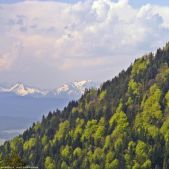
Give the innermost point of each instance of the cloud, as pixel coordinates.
(61, 39)
(7, 58)
(4, 62)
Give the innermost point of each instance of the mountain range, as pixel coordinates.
(71, 90)
(124, 124)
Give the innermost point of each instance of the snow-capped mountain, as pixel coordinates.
(71, 90)
(22, 90)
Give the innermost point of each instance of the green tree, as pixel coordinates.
(13, 160)
(94, 166)
(49, 163)
(150, 118)
(30, 144)
(139, 66)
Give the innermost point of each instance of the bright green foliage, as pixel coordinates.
(77, 152)
(130, 155)
(78, 129)
(165, 129)
(119, 123)
(29, 144)
(142, 154)
(163, 74)
(112, 165)
(65, 152)
(44, 140)
(146, 164)
(63, 129)
(37, 126)
(49, 163)
(136, 166)
(64, 165)
(74, 110)
(167, 98)
(102, 95)
(98, 154)
(134, 87)
(139, 66)
(152, 114)
(142, 151)
(110, 161)
(109, 157)
(94, 166)
(100, 130)
(90, 129)
(16, 143)
(108, 142)
(152, 105)
(129, 101)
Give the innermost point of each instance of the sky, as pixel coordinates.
(135, 3)
(47, 43)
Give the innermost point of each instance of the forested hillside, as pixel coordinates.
(123, 125)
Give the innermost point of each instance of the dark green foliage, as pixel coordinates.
(122, 125)
(13, 161)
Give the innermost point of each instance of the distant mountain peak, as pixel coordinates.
(68, 90)
(74, 89)
(22, 90)
(17, 86)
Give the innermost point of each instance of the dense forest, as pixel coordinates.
(122, 125)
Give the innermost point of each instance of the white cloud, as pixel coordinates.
(4, 62)
(60, 38)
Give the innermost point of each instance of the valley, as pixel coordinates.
(22, 105)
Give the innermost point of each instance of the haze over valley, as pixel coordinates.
(21, 105)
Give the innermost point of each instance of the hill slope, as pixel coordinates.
(122, 125)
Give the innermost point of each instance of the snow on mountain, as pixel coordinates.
(69, 90)
(74, 89)
(85, 84)
(22, 90)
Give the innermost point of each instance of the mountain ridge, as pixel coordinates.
(122, 125)
(71, 89)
